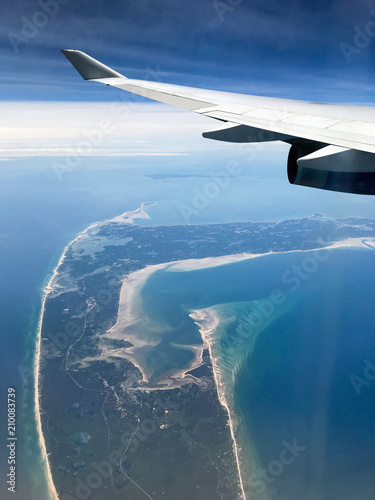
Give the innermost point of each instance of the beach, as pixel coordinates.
(143, 340)
(208, 321)
(52, 288)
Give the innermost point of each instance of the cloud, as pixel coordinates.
(252, 47)
(100, 129)
(104, 129)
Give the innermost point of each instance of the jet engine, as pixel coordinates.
(330, 167)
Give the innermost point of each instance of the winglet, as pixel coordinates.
(88, 67)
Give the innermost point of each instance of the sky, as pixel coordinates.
(54, 185)
(290, 49)
(312, 50)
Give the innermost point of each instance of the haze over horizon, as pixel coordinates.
(75, 154)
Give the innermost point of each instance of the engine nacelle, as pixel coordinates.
(331, 167)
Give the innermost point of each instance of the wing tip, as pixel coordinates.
(88, 67)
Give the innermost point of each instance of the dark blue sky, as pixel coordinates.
(291, 48)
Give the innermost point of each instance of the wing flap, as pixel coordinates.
(348, 139)
(232, 132)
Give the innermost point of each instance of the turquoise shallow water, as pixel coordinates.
(169, 296)
(306, 382)
(289, 371)
(39, 216)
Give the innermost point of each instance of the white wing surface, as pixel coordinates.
(307, 126)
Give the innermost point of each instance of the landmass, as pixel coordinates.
(110, 427)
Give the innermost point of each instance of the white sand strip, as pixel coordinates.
(127, 218)
(128, 312)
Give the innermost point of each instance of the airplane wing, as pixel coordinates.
(332, 145)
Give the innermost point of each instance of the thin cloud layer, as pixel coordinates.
(267, 48)
(100, 129)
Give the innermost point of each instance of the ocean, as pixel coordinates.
(293, 375)
(39, 216)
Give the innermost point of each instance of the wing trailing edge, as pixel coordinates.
(309, 127)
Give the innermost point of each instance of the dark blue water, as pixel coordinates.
(299, 378)
(306, 380)
(39, 216)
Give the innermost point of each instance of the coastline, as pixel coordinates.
(207, 325)
(127, 217)
(37, 382)
(179, 377)
(199, 317)
(129, 310)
